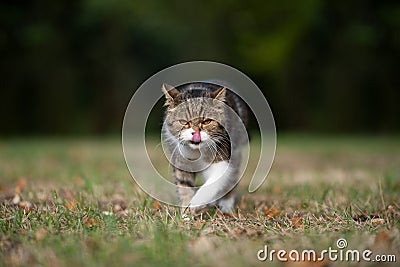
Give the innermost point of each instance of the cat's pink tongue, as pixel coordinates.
(196, 137)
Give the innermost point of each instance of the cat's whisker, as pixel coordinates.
(222, 154)
(157, 146)
(218, 152)
(176, 149)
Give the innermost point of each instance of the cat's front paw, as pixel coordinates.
(194, 213)
(188, 213)
(200, 213)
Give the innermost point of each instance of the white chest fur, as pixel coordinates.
(215, 172)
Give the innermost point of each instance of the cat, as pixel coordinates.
(202, 130)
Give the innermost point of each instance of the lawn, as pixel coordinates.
(72, 202)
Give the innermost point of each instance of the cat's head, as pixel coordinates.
(195, 114)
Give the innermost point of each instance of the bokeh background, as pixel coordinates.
(71, 67)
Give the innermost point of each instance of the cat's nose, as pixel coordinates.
(196, 137)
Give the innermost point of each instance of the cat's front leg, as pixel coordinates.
(185, 182)
(227, 204)
(217, 181)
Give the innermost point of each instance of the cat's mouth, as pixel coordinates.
(194, 143)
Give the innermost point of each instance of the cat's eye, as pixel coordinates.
(183, 122)
(207, 122)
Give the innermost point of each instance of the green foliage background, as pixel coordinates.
(70, 67)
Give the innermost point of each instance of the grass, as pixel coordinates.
(72, 202)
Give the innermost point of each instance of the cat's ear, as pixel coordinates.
(219, 94)
(170, 93)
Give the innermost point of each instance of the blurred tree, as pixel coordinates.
(71, 66)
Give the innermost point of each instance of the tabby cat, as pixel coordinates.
(202, 130)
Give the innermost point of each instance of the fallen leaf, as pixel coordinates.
(198, 224)
(40, 234)
(391, 209)
(383, 239)
(224, 215)
(22, 185)
(25, 205)
(79, 181)
(239, 231)
(67, 194)
(271, 212)
(243, 204)
(4, 190)
(117, 207)
(21, 231)
(296, 222)
(71, 204)
(156, 205)
(245, 232)
(16, 199)
(277, 189)
(89, 222)
(377, 221)
(124, 213)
